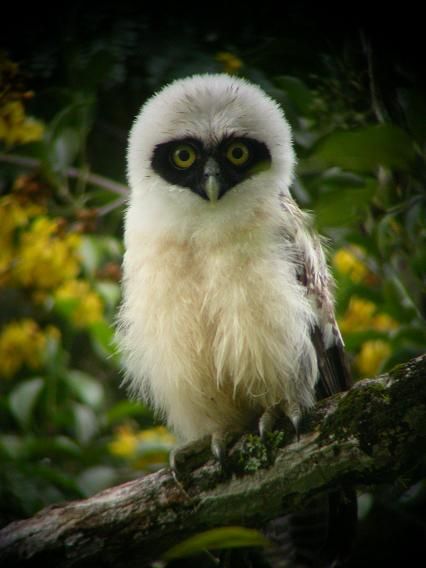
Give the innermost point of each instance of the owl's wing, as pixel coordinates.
(334, 373)
(322, 533)
(313, 274)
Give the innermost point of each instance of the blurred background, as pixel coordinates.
(352, 85)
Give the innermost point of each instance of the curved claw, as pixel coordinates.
(218, 447)
(267, 422)
(184, 459)
(270, 417)
(188, 456)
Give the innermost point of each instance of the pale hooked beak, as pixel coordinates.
(212, 187)
(211, 181)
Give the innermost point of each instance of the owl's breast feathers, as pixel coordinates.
(214, 334)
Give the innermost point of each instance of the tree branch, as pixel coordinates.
(71, 172)
(373, 434)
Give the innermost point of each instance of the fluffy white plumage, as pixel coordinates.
(220, 299)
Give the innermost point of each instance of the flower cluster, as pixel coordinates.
(86, 306)
(15, 126)
(22, 344)
(371, 357)
(39, 254)
(362, 315)
(350, 261)
(47, 257)
(13, 216)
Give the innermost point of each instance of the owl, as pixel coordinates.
(227, 319)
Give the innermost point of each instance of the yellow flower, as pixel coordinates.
(125, 442)
(159, 434)
(384, 322)
(358, 315)
(373, 354)
(347, 261)
(87, 305)
(15, 127)
(361, 315)
(231, 63)
(22, 343)
(46, 258)
(13, 216)
(146, 449)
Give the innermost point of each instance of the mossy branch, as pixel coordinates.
(373, 434)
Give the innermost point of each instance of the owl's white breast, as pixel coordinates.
(216, 330)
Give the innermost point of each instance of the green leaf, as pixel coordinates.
(31, 486)
(88, 389)
(54, 355)
(39, 446)
(90, 253)
(109, 292)
(23, 399)
(85, 422)
(364, 149)
(11, 445)
(354, 340)
(226, 537)
(385, 238)
(65, 307)
(64, 149)
(102, 335)
(127, 409)
(95, 250)
(343, 205)
(298, 93)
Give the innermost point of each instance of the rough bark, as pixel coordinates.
(373, 434)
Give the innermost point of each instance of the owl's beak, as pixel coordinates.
(212, 187)
(211, 183)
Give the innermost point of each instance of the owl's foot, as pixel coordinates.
(188, 457)
(274, 414)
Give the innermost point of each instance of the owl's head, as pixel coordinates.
(209, 143)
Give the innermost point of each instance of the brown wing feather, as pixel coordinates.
(333, 367)
(334, 373)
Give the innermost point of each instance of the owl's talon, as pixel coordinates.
(218, 448)
(272, 415)
(267, 422)
(183, 459)
(296, 423)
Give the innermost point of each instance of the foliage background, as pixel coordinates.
(70, 85)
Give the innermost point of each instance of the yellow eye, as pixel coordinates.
(183, 156)
(238, 153)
